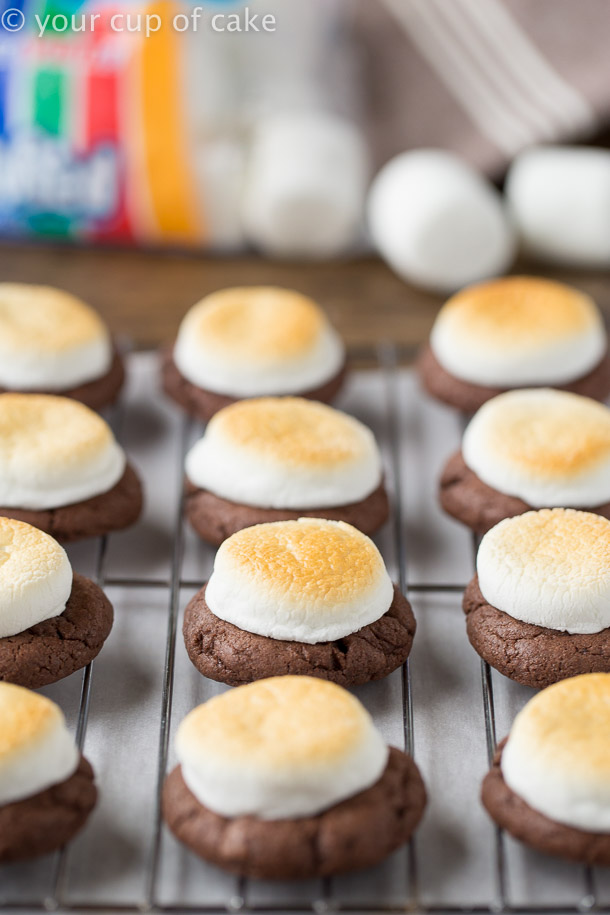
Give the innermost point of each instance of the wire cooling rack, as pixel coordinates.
(445, 706)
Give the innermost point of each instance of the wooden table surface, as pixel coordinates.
(143, 294)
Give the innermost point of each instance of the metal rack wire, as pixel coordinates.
(324, 900)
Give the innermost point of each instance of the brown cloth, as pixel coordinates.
(484, 78)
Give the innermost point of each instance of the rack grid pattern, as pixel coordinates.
(324, 899)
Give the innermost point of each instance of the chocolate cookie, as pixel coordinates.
(480, 507)
(44, 822)
(223, 652)
(535, 829)
(203, 404)
(99, 393)
(114, 510)
(55, 648)
(356, 833)
(469, 397)
(215, 518)
(532, 655)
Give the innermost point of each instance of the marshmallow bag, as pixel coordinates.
(177, 135)
(90, 148)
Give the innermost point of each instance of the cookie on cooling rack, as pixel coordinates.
(47, 789)
(299, 597)
(535, 448)
(539, 608)
(515, 332)
(252, 342)
(52, 622)
(279, 459)
(289, 778)
(550, 782)
(62, 470)
(51, 342)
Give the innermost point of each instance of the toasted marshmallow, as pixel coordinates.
(550, 568)
(35, 577)
(49, 339)
(285, 747)
(254, 341)
(518, 331)
(544, 446)
(54, 451)
(307, 581)
(285, 452)
(557, 757)
(36, 748)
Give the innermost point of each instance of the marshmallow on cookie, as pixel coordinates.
(36, 748)
(519, 331)
(284, 747)
(557, 756)
(49, 339)
(309, 580)
(253, 341)
(286, 453)
(35, 577)
(543, 446)
(54, 452)
(549, 568)
(257, 341)
(281, 764)
(515, 332)
(308, 596)
(47, 789)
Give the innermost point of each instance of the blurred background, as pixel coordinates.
(376, 154)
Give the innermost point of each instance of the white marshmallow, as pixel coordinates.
(257, 341)
(547, 447)
(286, 747)
(306, 184)
(219, 166)
(559, 198)
(557, 757)
(53, 452)
(35, 577)
(549, 568)
(49, 339)
(308, 580)
(36, 748)
(285, 452)
(437, 222)
(519, 331)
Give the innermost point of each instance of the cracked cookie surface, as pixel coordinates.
(468, 397)
(45, 821)
(203, 404)
(96, 394)
(55, 648)
(464, 496)
(356, 833)
(215, 518)
(533, 655)
(512, 813)
(223, 652)
(114, 510)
